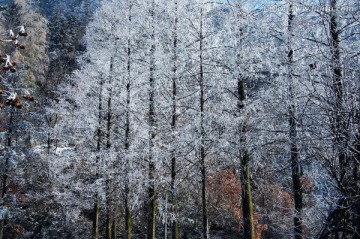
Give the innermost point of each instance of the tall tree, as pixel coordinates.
(294, 151)
(344, 166)
(175, 79)
(151, 200)
(202, 135)
(243, 154)
(128, 221)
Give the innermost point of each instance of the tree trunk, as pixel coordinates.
(174, 224)
(96, 208)
(152, 168)
(127, 146)
(339, 127)
(246, 197)
(152, 202)
(108, 226)
(294, 152)
(96, 212)
(338, 119)
(108, 190)
(128, 226)
(202, 131)
(296, 173)
(343, 222)
(114, 227)
(109, 212)
(248, 224)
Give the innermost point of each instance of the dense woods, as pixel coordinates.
(180, 119)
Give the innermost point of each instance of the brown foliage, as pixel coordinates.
(306, 185)
(17, 231)
(13, 188)
(225, 194)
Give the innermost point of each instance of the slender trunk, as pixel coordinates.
(152, 168)
(248, 223)
(152, 202)
(202, 131)
(48, 142)
(51, 121)
(244, 158)
(114, 227)
(174, 224)
(296, 173)
(96, 208)
(108, 146)
(109, 212)
(96, 211)
(165, 217)
(127, 146)
(338, 122)
(339, 126)
(128, 226)
(203, 193)
(109, 222)
(108, 121)
(294, 152)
